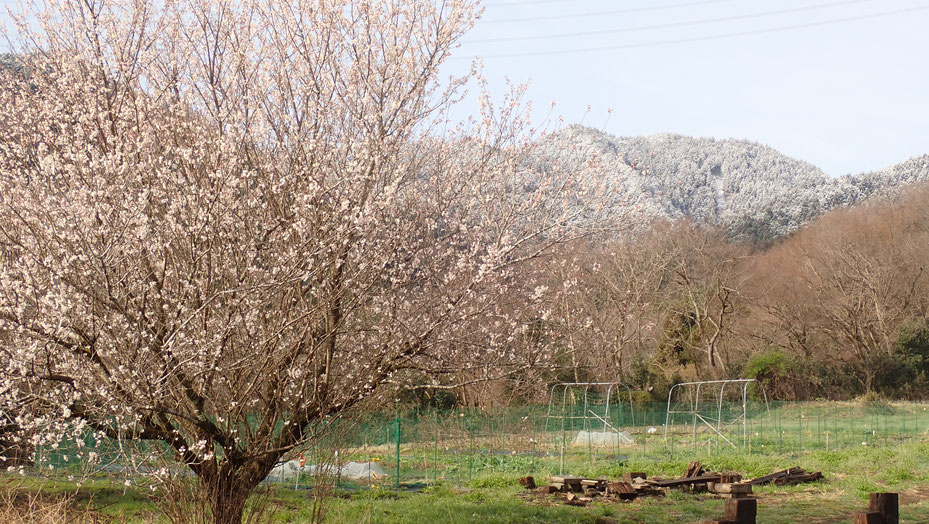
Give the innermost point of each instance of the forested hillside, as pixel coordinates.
(838, 309)
(751, 190)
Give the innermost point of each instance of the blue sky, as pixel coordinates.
(848, 91)
(841, 84)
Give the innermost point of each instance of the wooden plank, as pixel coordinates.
(888, 505)
(567, 483)
(683, 481)
(648, 490)
(799, 478)
(742, 510)
(776, 475)
(869, 517)
(566, 479)
(729, 489)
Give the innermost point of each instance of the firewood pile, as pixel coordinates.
(580, 491)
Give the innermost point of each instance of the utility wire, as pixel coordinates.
(671, 24)
(707, 38)
(526, 2)
(601, 13)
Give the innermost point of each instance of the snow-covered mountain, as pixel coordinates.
(751, 189)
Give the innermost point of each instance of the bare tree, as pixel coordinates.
(842, 290)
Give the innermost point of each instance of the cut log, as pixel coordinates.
(528, 482)
(547, 490)
(869, 517)
(887, 504)
(730, 478)
(742, 510)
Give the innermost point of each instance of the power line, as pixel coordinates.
(671, 24)
(528, 2)
(602, 13)
(710, 37)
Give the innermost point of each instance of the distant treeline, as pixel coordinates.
(836, 310)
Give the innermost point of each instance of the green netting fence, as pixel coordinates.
(416, 448)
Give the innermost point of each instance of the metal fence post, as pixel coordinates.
(435, 460)
(397, 478)
(470, 453)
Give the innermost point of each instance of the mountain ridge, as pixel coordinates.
(752, 190)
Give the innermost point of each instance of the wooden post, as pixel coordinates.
(887, 504)
(743, 511)
(869, 517)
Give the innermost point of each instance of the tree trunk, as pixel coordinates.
(227, 499)
(228, 487)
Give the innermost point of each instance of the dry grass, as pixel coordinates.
(19, 506)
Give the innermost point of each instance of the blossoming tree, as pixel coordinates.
(225, 223)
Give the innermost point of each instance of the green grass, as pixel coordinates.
(472, 476)
(851, 474)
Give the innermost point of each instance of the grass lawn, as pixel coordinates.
(850, 475)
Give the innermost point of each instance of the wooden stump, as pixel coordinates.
(869, 517)
(743, 511)
(887, 504)
(528, 482)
